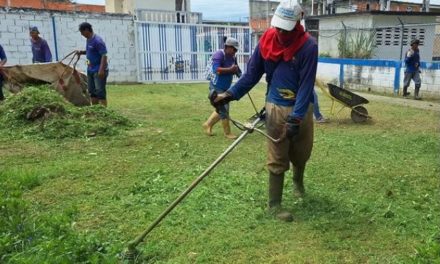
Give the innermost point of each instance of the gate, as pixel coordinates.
(179, 52)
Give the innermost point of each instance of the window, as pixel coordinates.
(394, 36)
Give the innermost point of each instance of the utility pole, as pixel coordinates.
(267, 14)
(425, 6)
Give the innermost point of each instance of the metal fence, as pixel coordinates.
(179, 52)
(390, 42)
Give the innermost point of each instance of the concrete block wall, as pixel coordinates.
(328, 72)
(116, 30)
(430, 83)
(378, 79)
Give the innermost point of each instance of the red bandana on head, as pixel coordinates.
(271, 43)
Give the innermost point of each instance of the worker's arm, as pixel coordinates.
(102, 66)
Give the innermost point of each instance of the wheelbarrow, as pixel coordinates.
(346, 98)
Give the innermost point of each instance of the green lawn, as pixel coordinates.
(372, 189)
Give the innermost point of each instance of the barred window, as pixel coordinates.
(393, 36)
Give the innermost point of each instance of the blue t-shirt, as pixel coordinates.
(2, 53)
(95, 49)
(40, 51)
(221, 82)
(289, 83)
(412, 61)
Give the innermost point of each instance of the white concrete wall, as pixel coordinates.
(116, 30)
(331, 29)
(378, 79)
(129, 6)
(393, 51)
(167, 5)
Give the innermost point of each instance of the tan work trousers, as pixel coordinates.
(297, 151)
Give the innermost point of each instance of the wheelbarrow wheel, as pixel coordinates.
(359, 114)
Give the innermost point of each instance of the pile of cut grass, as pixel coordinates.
(41, 112)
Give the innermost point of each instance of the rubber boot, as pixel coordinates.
(405, 92)
(94, 100)
(298, 181)
(227, 129)
(416, 93)
(212, 120)
(275, 197)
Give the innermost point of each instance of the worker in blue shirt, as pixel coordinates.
(3, 60)
(289, 57)
(97, 66)
(412, 71)
(224, 67)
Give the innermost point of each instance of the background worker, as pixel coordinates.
(289, 57)
(319, 118)
(40, 49)
(3, 60)
(224, 66)
(412, 71)
(97, 66)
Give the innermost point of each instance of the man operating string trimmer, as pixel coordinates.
(289, 56)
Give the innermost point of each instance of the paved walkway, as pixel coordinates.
(421, 104)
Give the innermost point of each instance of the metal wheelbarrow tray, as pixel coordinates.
(349, 99)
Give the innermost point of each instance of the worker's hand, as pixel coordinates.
(292, 127)
(234, 68)
(238, 73)
(79, 53)
(101, 74)
(218, 100)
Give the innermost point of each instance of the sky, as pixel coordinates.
(226, 10)
(229, 10)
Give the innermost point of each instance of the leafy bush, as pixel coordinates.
(359, 45)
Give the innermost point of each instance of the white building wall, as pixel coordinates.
(393, 51)
(116, 30)
(331, 28)
(129, 6)
(167, 5)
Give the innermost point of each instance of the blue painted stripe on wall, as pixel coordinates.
(360, 62)
(377, 63)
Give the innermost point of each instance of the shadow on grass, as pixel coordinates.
(330, 215)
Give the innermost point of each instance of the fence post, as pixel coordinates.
(137, 49)
(341, 75)
(401, 37)
(397, 68)
(345, 40)
(55, 37)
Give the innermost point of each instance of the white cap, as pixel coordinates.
(232, 42)
(287, 14)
